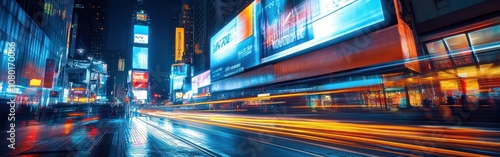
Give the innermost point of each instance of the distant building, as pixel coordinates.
(91, 27)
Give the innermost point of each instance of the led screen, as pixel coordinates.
(233, 48)
(140, 94)
(140, 80)
(289, 27)
(141, 16)
(200, 80)
(140, 34)
(140, 58)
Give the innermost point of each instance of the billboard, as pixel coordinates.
(179, 43)
(140, 16)
(289, 27)
(200, 80)
(140, 58)
(35, 82)
(179, 73)
(234, 48)
(140, 94)
(49, 73)
(141, 34)
(139, 79)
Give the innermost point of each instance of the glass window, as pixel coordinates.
(458, 44)
(485, 39)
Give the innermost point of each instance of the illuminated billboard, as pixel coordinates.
(179, 43)
(141, 34)
(49, 73)
(200, 80)
(140, 16)
(139, 80)
(234, 48)
(140, 58)
(289, 27)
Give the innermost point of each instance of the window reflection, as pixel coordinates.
(458, 45)
(485, 39)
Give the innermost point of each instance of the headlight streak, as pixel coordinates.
(365, 136)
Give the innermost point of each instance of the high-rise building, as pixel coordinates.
(139, 73)
(34, 37)
(92, 17)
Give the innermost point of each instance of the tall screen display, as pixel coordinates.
(141, 34)
(233, 49)
(140, 58)
(289, 26)
(140, 80)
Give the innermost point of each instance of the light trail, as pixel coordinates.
(377, 137)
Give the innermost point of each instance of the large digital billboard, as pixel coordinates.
(234, 48)
(141, 34)
(140, 79)
(49, 73)
(289, 27)
(200, 80)
(179, 43)
(140, 58)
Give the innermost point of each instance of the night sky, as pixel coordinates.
(161, 32)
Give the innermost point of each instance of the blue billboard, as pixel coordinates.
(234, 48)
(289, 26)
(268, 30)
(140, 58)
(141, 34)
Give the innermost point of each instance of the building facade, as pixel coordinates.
(35, 38)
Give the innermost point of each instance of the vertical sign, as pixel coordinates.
(121, 64)
(179, 43)
(49, 73)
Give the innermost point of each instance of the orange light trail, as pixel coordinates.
(448, 141)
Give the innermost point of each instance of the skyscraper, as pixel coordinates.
(92, 17)
(38, 35)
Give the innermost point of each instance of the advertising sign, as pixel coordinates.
(49, 73)
(234, 49)
(200, 80)
(141, 34)
(35, 82)
(121, 64)
(179, 43)
(179, 73)
(141, 16)
(140, 58)
(289, 27)
(140, 79)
